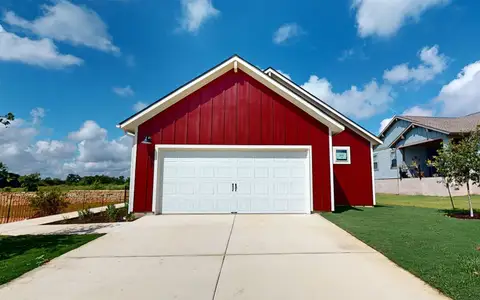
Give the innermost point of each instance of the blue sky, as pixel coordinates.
(71, 70)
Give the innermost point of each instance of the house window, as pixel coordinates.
(393, 159)
(341, 155)
(375, 162)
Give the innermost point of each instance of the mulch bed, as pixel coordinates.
(95, 218)
(464, 215)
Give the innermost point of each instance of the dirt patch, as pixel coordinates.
(464, 215)
(100, 217)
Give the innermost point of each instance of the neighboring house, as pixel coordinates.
(239, 139)
(412, 140)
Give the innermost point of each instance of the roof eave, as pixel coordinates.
(370, 136)
(234, 62)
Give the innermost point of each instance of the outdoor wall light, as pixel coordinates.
(147, 140)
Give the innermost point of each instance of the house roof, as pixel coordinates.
(447, 125)
(451, 125)
(236, 63)
(323, 106)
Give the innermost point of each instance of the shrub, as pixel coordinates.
(130, 217)
(30, 182)
(85, 214)
(7, 189)
(112, 212)
(49, 202)
(97, 185)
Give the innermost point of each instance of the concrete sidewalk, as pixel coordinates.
(222, 257)
(36, 225)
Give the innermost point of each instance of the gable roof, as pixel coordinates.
(447, 125)
(323, 106)
(235, 62)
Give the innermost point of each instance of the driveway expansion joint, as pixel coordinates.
(223, 259)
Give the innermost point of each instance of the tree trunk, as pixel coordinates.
(469, 200)
(450, 195)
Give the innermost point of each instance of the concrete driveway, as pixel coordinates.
(222, 257)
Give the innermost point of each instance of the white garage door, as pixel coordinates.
(233, 181)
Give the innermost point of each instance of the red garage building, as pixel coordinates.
(238, 139)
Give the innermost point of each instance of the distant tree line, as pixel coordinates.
(31, 182)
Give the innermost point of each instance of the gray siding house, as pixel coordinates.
(409, 141)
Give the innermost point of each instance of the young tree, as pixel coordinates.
(5, 120)
(72, 179)
(443, 163)
(3, 175)
(30, 182)
(466, 163)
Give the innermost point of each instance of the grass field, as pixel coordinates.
(441, 251)
(427, 201)
(20, 254)
(66, 188)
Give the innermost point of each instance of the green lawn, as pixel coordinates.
(440, 250)
(20, 254)
(427, 201)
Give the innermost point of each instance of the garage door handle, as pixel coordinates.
(235, 187)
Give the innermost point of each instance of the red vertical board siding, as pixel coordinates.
(267, 120)
(319, 139)
(218, 116)
(206, 117)
(141, 179)
(181, 122)
(353, 182)
(193, 121)
(254, 98)
(234, 109)
(290, 125)
(243, 114)
(279, 122)
(230, 110)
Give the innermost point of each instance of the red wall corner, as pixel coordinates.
(353, 182)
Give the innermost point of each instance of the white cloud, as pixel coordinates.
(412, 111)
(90, 130)
(88, 151)
(384, 124)
(385, 17)
(286, 32)
(359, 103)
(37, 115)
(41, 53)
(67, 22)
(195, 13)
(433, 63)
(139, 106)
(418, 111)
(284, 74)
(124, 91)
(346, 54)
(461, 96)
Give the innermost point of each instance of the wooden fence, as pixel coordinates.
(16, 206)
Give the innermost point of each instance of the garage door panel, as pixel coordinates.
(201, 182)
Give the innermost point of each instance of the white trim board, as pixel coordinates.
(373, 176)
(232, 63)
(156, 195)
(133, 164)
(332, 187)
(351, 124)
